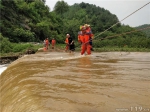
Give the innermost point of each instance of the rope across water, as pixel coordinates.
(120, 22)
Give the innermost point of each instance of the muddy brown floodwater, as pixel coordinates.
(62, 82)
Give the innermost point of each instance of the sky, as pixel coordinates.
(121, 8)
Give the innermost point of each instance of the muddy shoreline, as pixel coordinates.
(10, 58)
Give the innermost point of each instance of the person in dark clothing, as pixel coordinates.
(71, 44)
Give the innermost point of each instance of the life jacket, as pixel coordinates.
(81, 38)
(53, 41)
(46, 41)
(66, 41)
(86, 38)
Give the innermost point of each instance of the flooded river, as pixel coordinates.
(63, 82)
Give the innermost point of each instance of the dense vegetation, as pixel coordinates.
(8, 48)
(28, 21)
(33, 21)
(146, 31)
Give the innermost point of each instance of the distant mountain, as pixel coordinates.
(146, 31)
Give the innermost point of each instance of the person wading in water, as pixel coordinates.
(70, 43)
(53, 42)
(84, 39)
(66, 42)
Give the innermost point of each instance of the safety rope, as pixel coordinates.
(124, 33)
(122, 20)
(118, 23)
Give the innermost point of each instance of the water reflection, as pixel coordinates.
(84, 66)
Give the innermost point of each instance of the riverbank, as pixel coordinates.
(10, 57)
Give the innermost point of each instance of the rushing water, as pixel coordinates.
(3, 68)
(62, 82)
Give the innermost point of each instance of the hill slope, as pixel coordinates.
(147, 31)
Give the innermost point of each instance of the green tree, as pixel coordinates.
(61, 7)
(5, 45)
(146, 30)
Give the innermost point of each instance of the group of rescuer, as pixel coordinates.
(47, 43)
(85, 37)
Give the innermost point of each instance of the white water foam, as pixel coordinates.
(2, 68)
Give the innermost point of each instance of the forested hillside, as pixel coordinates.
(33, 21)
(84, 13)
(146, 31)
(28, 20)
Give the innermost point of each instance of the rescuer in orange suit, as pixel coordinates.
(53, 42)
(80, 37)
(84, 38)
(47, 43)
(89, 31)
(67, 43)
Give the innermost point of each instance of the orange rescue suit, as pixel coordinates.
(67, 44)
(53, 43)
(85, 43)
(47, 43)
